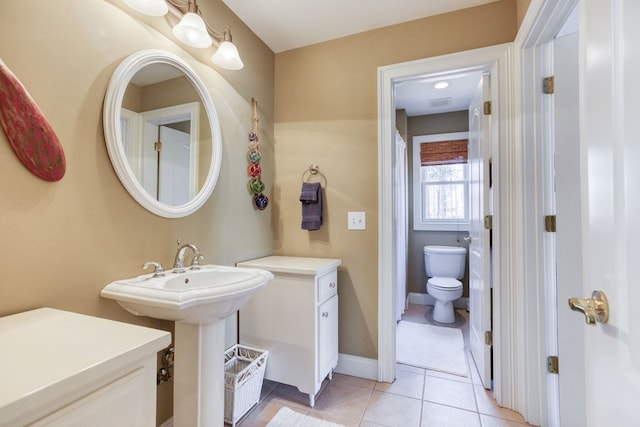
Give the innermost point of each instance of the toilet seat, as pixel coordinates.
(445, 283)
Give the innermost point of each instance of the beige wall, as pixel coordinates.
(326, 113)
(62, 242)
(522, 7)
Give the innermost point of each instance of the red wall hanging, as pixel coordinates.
(28, 131)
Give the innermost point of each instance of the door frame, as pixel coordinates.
(509, 360)
(533, 62)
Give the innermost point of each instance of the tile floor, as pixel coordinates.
(418, 397)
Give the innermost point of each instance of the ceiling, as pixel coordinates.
(419, 96)
(289, 24)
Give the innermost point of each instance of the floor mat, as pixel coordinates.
(431, 347)
(288, 418)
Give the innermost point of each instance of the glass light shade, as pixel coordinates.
(227, 56)
(149, 7)
(192, 30)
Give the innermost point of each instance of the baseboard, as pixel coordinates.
(357, 366)
(168, 423)
(426, 299)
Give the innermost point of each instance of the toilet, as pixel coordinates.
(444, 266)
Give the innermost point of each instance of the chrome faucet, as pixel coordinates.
(178, 265)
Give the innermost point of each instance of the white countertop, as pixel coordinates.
(46, 352)
(295, 265)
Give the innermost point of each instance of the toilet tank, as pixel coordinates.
(445, 261)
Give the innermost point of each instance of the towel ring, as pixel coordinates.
(312, 171)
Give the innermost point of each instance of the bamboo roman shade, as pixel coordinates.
(443, 152)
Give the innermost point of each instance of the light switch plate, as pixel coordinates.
(356, 221)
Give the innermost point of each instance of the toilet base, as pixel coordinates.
(443, 312)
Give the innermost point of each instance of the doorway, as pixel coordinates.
(553, 163)
(162, 147)
(606, 350)
(498, 59)
(442, 118)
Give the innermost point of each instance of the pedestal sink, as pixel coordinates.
(198, 301)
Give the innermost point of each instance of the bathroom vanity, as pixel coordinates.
(67, 369)
(295, 318)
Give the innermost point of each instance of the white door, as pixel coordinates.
(174, 174)
(569, 229)
(479, 250)
(610, 100)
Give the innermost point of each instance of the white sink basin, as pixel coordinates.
(196, 296)
(197, 301)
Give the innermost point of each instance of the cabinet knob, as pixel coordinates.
(325, 314)
(332, 284)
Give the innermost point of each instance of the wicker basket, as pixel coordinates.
(243, 374)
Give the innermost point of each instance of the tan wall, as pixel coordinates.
(62, 242)
(522, 6)
(326, 113)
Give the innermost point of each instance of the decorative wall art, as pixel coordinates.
(256, 186)
(28, 131)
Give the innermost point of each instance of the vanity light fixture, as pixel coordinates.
(192, 30)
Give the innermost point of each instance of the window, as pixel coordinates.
(440, 182)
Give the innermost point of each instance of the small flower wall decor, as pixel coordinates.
(254, 170)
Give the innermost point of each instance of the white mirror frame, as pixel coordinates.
(113, 136)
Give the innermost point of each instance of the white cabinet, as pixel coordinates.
(295, 317)
(327, 336)
(67, 369)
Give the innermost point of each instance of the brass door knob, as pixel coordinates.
(595, 309)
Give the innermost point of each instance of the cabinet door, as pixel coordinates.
(327, 336)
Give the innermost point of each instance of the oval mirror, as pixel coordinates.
(162, 133)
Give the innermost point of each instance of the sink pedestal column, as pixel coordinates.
(198, 393)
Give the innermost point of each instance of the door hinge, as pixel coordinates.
(487, 108)
(547, 85)
(552, 364)
(488, 222)
(550, 223)
(488, 337)
(158, 146)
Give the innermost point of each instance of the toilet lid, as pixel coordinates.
(445, 282)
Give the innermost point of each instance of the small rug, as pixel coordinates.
(431, 347)
(288, 418)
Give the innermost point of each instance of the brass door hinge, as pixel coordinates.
(488, 337)
(487, 108)
(158, 146)
(548, 85)
(488, 222)
(552, 364)
(550, 223)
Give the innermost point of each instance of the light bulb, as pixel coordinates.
(192, 30)
(227, 56)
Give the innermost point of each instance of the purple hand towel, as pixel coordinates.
(311, 198)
